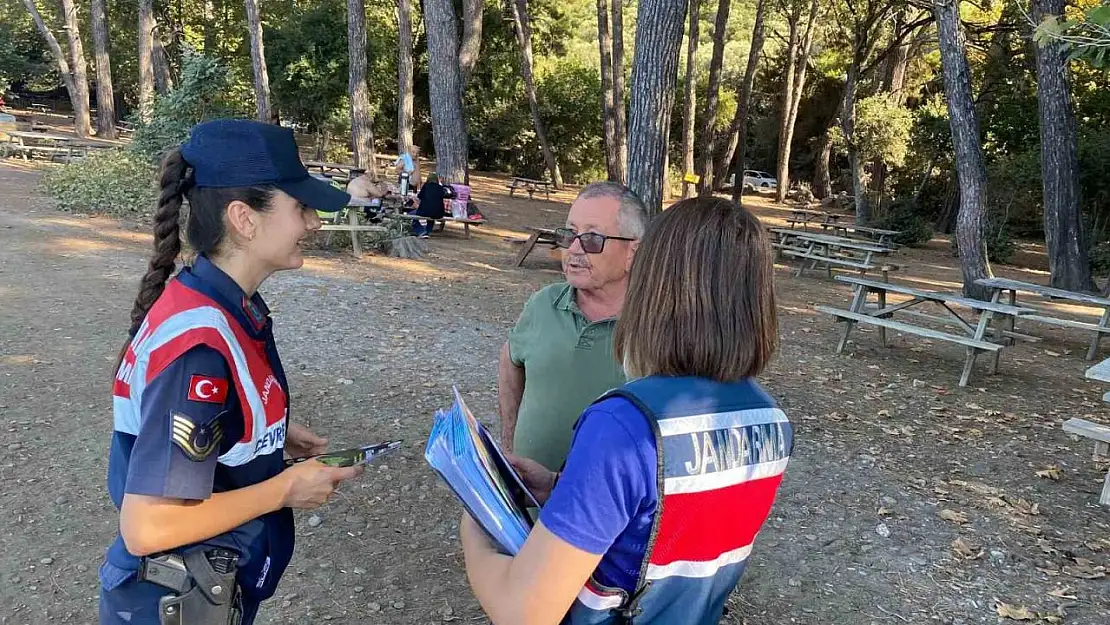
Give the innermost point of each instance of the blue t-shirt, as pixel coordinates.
(607, 494)
(406, 160)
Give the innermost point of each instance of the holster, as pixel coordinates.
(205, 594)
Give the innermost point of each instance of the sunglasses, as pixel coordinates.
(592, 242)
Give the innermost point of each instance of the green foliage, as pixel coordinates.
(882, 130)
(24, 58)
(1088, 37)
(116, 183)
(1099, 256)
(914, 229)
(200, 95)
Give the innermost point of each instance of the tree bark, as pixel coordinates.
(444, 90)
(800, 44)
(210, 48)
(968, 150)
(613, 163)
(689, 111)
(56, 51)
(79, 65)
(654, 69)
(738, 141)
(712, 98)
(258, 62)
(471, 46)
(848, 127)
(619, 105)
(146, 59)
(163, 78)
(362, 118)
(1063, 226)
(523, 27)
(822, 185)
(105, 93)
(404, 76)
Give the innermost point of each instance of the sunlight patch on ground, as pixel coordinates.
(18, 359)
(72, 244)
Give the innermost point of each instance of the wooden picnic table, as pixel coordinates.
(539, 235)
(335, 170)
(530, 185)
(805, 216)
(1000, 285)
(830, 251)
(26, 143)
(881, 236)
(973, 338)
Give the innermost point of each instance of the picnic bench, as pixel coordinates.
(1100, 434)
(1000, 285)
(539, 235)
(346, 173)
(881, 236)
(27, 144)
(805, 216)
(531, 185)
(831, 251)
(352, 227)
(973, 339)
(441, 223)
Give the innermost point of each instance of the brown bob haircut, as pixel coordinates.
(701, 298)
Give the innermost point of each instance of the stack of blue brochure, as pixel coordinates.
(463, 453)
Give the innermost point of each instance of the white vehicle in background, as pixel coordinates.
(755, 180)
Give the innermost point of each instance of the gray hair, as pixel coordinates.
(632, 217)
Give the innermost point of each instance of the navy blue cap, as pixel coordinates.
(243, 153)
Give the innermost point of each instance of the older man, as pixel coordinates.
(559, 356)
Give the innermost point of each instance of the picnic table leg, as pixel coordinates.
(969, 363)
(1002, 326)
(526, 249)
(352, 218)
(858, 300)
(1098, 335)
(882, 304)
(466, 229)
(531, 192)
(511, 190)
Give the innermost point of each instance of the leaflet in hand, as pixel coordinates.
(463, 453)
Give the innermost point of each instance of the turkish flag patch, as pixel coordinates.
(207, 389)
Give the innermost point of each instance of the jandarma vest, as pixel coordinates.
(722, 450)
(185, 317)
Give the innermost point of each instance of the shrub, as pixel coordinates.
(1100, 258)
(914, 230)
(113, 183)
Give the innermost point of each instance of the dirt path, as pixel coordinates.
(886, 442)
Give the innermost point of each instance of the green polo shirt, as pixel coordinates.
(568, 362)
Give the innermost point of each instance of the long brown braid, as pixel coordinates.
(176, 179)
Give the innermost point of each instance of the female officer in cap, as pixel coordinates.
(201, 402)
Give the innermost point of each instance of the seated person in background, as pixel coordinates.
(670, 477)
(367, 186)
(407, 166)
(429, 203)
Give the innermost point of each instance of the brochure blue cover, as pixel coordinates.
(465, 456)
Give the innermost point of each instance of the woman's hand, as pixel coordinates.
(309, 484)
(301, 442)
(538, 478)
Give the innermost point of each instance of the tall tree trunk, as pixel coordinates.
(81, 123)
(613, 163)
(59, 56)
(848, 127)
(404, 76)
(146, 59)
(105, 93)
(444, 90)
(523, 28)
(620, 117)
(210, 29)
(689, 111)
(822, 185)
(738, 142)
(654, 70)
(258, 62)
(163, 78)
(968, 150)
(362, 119)
(801, 42)
(471, 46)
(893, 84)
(712, 98)
(1063, 225)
